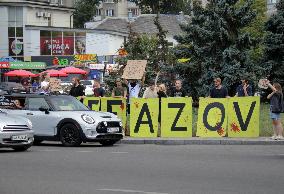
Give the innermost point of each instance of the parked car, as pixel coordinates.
(15, 132)
(66, 119)
(12, 87)
(88, 84)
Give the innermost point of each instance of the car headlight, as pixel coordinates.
(88, 119)
(30, 124)
(120, 124)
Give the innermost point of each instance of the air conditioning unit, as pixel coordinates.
(47, 15)
(39, 14)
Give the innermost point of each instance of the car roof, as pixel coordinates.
(35, 95)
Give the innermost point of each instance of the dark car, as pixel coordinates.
(12, 87)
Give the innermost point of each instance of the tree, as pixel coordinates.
(274, 44)
(85, 10)
(216, 45)
(163, 6)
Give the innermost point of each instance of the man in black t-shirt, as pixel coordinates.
(77, 89)
(177, 91)
(218, 91)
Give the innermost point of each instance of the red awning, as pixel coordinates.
(20, 73)
(73, 70)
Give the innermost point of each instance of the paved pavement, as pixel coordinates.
(203, 141)
(143, 169)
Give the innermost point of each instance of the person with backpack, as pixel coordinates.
(276, 107)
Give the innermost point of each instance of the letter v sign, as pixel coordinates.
(244, 125)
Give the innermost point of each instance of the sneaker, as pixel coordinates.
(279, 137)
(273, 137)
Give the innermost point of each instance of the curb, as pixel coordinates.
(202, 141)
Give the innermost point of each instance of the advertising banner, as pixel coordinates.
(116, 106)
(144, 117)
(93, 103)
(176, 117)
(27, 65)
(243, 119)
(212, 117)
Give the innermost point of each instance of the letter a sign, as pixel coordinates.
(144, 117)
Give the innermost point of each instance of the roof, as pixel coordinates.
(144, 24)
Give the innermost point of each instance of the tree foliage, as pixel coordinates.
(217, 45)
(85, 10)
(274, 44)
(164, 6)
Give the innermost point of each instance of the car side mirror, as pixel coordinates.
(44, 109)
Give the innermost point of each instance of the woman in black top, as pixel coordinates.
(276, 102)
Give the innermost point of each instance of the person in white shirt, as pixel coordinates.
(44, 85)
(151, 91)
(134, 87)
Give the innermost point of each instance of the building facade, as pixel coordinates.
(15, 15)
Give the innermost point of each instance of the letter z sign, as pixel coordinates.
(176, 117)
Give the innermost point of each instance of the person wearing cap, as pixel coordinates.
(244, 89)
(151, 91)
(119, 91)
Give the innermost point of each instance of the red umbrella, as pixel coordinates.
(55, 73)
(73, 70)
(20, 73)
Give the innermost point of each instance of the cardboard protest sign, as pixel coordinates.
(243, 117)
(212, 117)
(93, 103)
(55, 85)
(134, 69)
(116, 106)
(144, 117)
(176, 117)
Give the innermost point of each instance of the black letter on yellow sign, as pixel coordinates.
(110, 103)
(91, 102)
(180, 106)
(205, 114)
(244, 125)
(144, 109)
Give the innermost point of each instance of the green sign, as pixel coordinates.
(27, 65)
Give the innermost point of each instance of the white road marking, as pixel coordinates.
(119, 152)
(129, 191)
(85, 151)
(49, 150)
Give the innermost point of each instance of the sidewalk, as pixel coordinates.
(203, 141)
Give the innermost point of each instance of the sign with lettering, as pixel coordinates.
(243, 119)
(134, 69)
(4, 65)
(176, 117)
(93, 103)
(27, 65)
(144, 117)
(212, 117)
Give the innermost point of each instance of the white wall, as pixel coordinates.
(103, 44)
(59, 18)
(31, 42)
(4, 43)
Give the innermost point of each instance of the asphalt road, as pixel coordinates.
(143, 169)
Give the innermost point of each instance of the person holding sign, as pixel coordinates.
(151, 91)
(218, 91)
(244, 89)
(276, 107)
(119, 91)
(77, 89)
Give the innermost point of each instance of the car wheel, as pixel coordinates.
(108, 142)
(70, 135)
(22, 148)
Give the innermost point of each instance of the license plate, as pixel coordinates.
(19, 137)
(113, 130)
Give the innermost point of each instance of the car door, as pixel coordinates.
(44, 122)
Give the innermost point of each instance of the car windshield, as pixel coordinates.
(86, 82)
(67, 103)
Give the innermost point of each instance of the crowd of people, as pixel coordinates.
(131, 89)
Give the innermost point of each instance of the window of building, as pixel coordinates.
(98, 12)
(109, 12)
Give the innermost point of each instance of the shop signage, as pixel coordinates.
(27, 65)
(4, 65)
